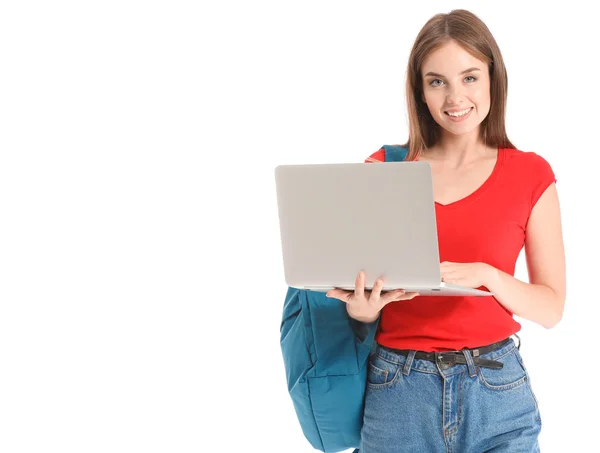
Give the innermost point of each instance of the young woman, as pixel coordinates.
(447, 375)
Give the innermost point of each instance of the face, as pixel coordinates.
(456, 89)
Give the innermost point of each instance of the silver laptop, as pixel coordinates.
(338, 219)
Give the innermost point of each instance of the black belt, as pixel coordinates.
(451, 358)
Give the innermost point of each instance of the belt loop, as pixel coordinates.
(519, 345)
(408, 363)
(470, 363)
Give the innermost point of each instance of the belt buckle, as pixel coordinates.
(446, 360)
(449, 359)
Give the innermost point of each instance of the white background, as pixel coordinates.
(141, 281)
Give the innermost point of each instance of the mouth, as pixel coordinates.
(460, 115)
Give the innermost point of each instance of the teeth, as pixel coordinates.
(464, 112)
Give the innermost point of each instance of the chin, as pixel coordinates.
(460, 129)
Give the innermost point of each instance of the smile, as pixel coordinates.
(459, 116)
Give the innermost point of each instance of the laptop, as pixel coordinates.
(338, 219)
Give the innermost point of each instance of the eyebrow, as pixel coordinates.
(435, 74)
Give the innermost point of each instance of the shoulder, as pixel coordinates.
(389, 153)
(377, 156)
(529, 172)
(526, 161)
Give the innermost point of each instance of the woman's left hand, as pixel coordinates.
(470, 275)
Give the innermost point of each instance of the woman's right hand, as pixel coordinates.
(364, 305)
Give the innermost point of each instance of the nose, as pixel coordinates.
(454, 95)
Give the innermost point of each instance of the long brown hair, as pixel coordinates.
(473, 35)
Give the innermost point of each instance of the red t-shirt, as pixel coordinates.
(486, 226)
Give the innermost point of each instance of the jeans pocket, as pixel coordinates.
(510, 376)
(381, 373)
(528, 379)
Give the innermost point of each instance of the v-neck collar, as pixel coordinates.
(482, 188)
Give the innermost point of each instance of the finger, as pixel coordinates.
(404, 296)
(450, 273)
(390, 296)
(359, 285)
(377, 287)
(339, 294)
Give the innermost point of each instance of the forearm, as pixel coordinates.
(537, 303)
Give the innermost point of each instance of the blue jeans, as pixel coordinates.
(415, 406)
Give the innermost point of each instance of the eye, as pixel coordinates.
(470, 77)
(432, 83)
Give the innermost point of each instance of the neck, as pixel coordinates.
(457, 150)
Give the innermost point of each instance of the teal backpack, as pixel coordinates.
(325, 354)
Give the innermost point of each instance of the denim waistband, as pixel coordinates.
(430, 367)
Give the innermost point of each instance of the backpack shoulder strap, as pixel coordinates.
(395, 153)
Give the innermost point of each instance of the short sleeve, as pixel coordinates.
(542, 176)
(377, 156)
